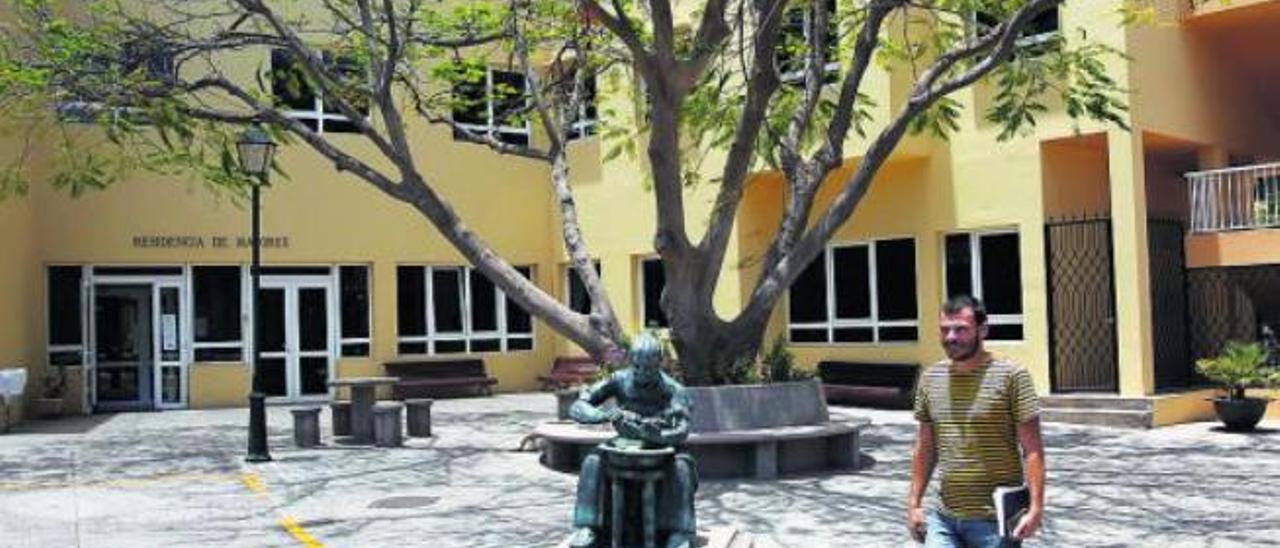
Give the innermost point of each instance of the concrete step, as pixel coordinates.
(1117, 418)
(1083, 401)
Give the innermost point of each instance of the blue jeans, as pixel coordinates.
(943, 531)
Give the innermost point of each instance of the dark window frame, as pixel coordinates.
(647, 321)
(854, 330)
(467, 340)
(322, 117)
(492, 126)
(355, 346)
(975, 278)
(225, 350)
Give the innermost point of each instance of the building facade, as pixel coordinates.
(1110, 259)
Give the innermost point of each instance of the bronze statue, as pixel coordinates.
(652, 411)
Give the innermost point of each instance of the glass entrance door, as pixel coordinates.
(122, 342)
(294, 334)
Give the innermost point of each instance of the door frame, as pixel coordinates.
(154, 283)
(291, 283)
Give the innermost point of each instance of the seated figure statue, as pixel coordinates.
(651, 408)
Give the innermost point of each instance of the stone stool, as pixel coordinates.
(386, 423)
(306, 426)
(419, 416)
(341, 417)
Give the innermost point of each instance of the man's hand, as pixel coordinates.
(915, 523)
(1029, 524)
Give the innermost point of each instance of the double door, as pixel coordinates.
(295, 337)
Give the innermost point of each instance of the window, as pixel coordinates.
(306, 104)
(578, 298)
(353, 302)
(857, 293)
(63, 298)
(793, 46)
(581, 122)
(217, 329)
(1042, 28)
(492, 107)
(455, 309)
(652, 281)
(142, 65)
(987, 265)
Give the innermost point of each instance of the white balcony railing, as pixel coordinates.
(1238, 198)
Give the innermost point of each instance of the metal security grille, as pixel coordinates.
(1173, 365)
(1231, 303)
(1082, 328)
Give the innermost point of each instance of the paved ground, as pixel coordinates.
(176, 479)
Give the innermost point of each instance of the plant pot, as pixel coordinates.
(1240, 414)
(46, 408)
(564, 400)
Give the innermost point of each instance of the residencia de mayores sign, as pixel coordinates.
(203, 242)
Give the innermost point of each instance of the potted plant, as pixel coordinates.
(49, 404)
(1239, 367)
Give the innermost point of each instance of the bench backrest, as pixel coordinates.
(747, 407)
(575, 364)
(469, 367)
(899, 375)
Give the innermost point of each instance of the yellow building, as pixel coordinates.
(1109, 259)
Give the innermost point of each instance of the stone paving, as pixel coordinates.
(176, 479)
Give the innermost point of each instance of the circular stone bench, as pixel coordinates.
(738, 431)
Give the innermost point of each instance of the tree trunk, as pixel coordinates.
(714, 352)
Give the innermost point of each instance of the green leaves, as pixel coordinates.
(1239, 366)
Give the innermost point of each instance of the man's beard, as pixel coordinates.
(959, 352)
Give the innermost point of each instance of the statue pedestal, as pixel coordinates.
(634, 473)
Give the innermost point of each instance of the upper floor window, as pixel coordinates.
(136, 66)
(1040, 29)
(857, 293)
(987, 265)
(291, 90)
(493, 106)
(581, 121)
(792, 55)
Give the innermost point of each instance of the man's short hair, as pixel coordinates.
(958, 303)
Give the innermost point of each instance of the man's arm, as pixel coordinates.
(923, 458)
(1033, 469)
(586, 410)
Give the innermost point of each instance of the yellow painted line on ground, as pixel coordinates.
(299, 533)
(254, 483)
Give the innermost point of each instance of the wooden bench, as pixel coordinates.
(567, 371)
(756, 431)
(427, 378)
(890, 385)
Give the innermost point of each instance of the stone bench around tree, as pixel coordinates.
(756, 431)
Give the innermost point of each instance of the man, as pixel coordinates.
(650, 407)
(974, 412)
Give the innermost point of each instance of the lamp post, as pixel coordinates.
(256, 149)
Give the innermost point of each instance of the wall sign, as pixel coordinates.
(202, 242)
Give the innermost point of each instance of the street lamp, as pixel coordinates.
(256, 148)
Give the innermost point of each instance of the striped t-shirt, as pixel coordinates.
(974, 416)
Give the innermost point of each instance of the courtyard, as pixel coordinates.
(177, 478)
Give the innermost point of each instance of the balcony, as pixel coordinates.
(1238, 198)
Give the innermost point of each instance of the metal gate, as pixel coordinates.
(1082, 325)
(1173, 365)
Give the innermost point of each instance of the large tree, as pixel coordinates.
(750, 77)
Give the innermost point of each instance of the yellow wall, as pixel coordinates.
(218, 385)
(1075, 177)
